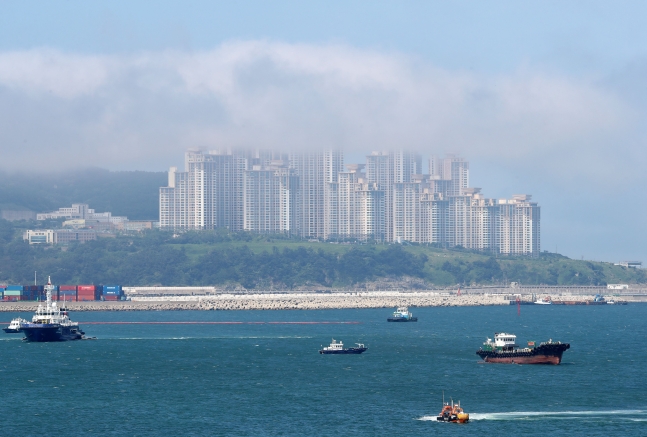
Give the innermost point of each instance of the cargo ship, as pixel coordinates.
(338, 348)
(504, 349)
(51, 323)
(402, 314)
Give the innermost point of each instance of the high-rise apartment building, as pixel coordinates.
(309, 194)
(316, 170)
(270, 197)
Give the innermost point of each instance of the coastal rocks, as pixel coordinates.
(296, 301)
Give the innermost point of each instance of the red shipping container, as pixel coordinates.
(110, 297)
(67, 298)
(86, 288)
(67, 287)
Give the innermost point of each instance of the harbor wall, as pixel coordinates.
(293, 301)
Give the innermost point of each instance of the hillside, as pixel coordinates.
(134, 194)
(262, 262)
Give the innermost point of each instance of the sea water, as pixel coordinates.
(258, 378)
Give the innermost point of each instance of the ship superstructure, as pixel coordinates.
(50, 322)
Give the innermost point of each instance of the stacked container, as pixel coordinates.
(86, 293)
(12, 293)
(67, 293)
(112, 292)
(32, 292)
(2, 287)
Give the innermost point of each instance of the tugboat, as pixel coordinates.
(51, 323)
(402, 314)
(504, 349)
(452, 413)
(338, 348)
(14, 326)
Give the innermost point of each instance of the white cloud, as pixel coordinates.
(119, 111)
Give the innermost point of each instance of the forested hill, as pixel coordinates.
(134, 194)
(262, 262)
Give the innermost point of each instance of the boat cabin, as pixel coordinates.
(335, 346)
(505, 341)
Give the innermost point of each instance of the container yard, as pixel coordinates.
(62, 293)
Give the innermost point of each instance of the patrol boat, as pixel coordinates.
(338, 348)
(14, 326)
(402, 314)
(51, 323)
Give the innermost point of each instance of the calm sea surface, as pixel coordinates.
(266, 379)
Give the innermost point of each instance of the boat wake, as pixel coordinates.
(633, 415)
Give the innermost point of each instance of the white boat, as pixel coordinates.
(14, 326)
(544, 301)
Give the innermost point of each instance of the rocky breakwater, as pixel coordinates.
(277, 301)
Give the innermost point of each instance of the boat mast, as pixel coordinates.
(48, 291)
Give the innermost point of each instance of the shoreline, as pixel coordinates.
(289, 301)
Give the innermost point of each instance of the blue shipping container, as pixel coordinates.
(112, 287)
(14, 287)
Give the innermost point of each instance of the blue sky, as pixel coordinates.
(547, 98)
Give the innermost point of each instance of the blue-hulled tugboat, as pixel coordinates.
(338, 348)
(51, 323)
(402, 314)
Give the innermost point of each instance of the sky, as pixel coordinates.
(547, 98)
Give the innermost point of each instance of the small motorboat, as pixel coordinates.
(453, 413)
(14, 326)
(545, 301)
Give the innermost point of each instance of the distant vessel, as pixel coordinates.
(14, 326)
(544, 301)
(505, 350)
(402, 314)
(338, 348)
(51, 323)
(452, 413)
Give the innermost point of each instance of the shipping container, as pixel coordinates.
(33, 287)
(112, 288)
(11, 298)
(110, 297)
(67, 288)
(14, 287)
(9, 292)
(64, 298)
(86, 287)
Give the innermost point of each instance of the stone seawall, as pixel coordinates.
(274, 302)
(296, 301)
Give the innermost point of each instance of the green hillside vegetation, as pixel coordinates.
(263, 262)
(134, 194)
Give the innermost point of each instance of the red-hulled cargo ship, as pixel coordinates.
(504, 349)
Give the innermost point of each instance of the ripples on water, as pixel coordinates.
(269, 379)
